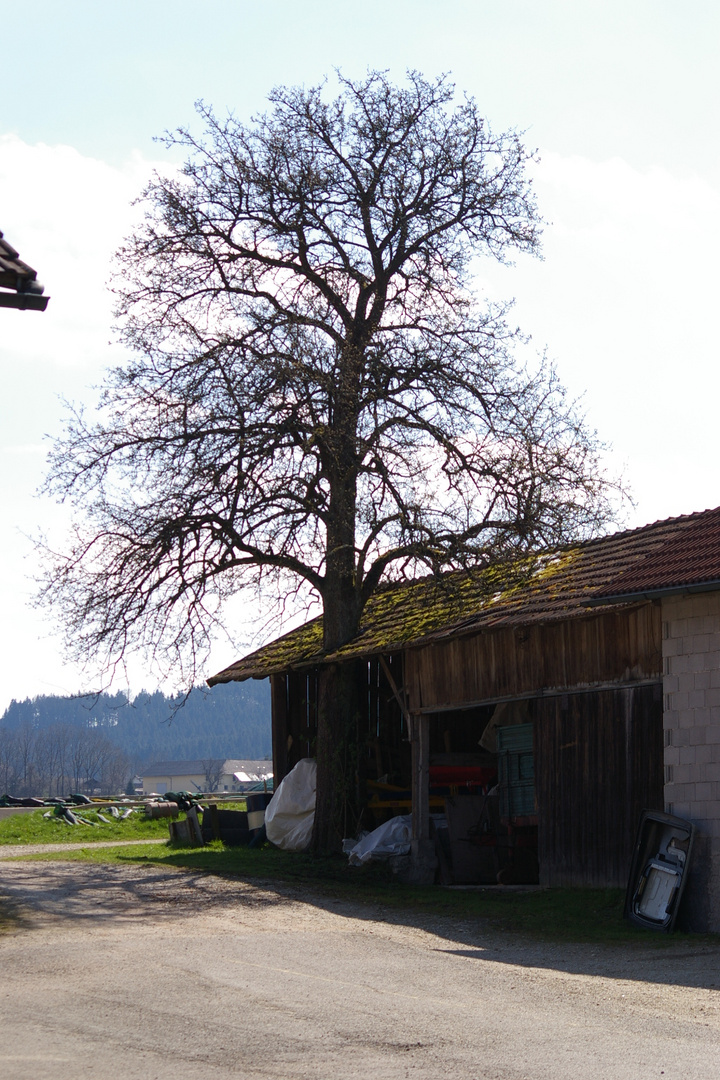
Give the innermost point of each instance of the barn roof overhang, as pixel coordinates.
(656, 594)
(25, 291)
(536, 589)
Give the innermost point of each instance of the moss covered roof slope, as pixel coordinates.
(540, 588)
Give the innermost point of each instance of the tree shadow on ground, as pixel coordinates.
(579, 932)
(62, 892)
(11, 916)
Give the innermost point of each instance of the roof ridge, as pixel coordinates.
(686, 519)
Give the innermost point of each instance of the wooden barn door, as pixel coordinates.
(598, 763)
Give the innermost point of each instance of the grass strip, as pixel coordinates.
(34, 828)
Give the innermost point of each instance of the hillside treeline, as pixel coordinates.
(50, 743)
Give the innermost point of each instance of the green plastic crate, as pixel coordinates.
(516, 770)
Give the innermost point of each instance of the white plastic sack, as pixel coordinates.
(290, 814)
(392, 838)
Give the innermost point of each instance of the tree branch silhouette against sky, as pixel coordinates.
(618, 101)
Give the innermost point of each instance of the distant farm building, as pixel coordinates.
(208, 775)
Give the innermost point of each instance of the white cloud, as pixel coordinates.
(625, 299)
(66, 214)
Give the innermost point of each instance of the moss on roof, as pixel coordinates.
(407, 613)
(542, 587)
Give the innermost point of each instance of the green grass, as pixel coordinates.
(562, 915)
(35, 829)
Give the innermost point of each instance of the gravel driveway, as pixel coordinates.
(139, 972)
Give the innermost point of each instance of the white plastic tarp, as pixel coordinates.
(391, 838)
(290, 814)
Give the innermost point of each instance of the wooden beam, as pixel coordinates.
(420, 741)
(280, 729)
(396, 693)
(423, 861)
(532, 695)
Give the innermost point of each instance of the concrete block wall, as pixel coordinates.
(691, 722)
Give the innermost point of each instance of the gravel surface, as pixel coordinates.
(139, 972)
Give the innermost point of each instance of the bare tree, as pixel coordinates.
(62, 736)
(113, 768)
(213, 768)
(26, 740)
(45, 761)
(9, 760)
(77, 758)
(316, 398)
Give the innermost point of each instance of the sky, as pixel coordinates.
(620, 100)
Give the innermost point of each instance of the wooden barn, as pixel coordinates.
(576, 688)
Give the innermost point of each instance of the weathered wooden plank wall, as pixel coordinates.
(621, 646)
(598, 763)
(280, 728)
(294, 719)
(382, 740)
(386, 743)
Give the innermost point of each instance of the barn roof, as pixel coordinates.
(16, 276)
(690, 562)
(546, 587)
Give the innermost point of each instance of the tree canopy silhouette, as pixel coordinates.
(316, 398)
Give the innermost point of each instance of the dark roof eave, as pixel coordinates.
(262, 671)
(655, 594)
(466, 629)
(23, 301)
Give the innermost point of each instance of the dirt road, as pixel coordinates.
(135, 972)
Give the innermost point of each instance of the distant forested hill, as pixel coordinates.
(229, 721)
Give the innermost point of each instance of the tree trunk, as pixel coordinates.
(340, 698)
(340, 691)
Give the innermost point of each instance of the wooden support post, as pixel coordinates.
(423, 860)
(420, 777)
(215, 821)
(280, 728)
